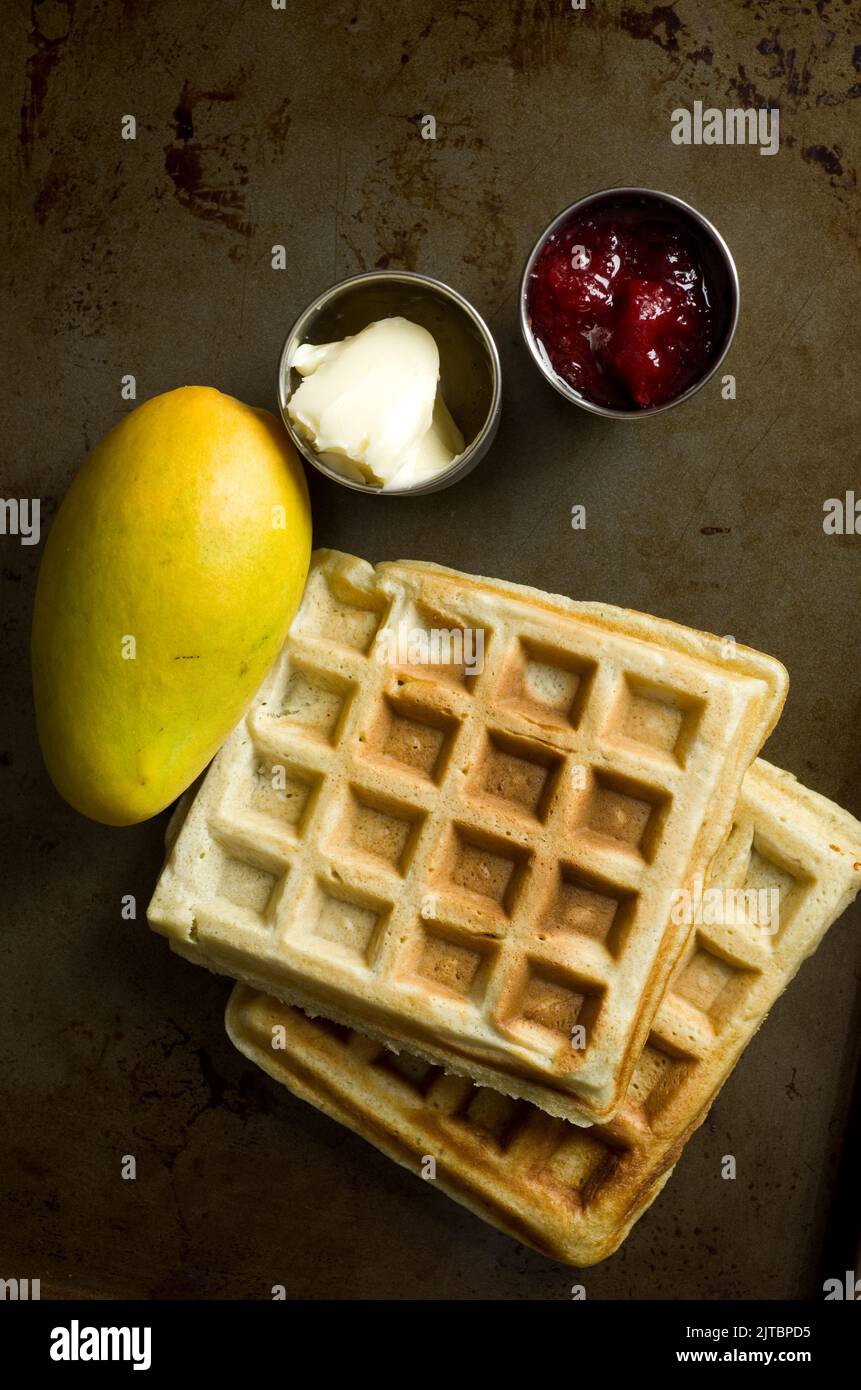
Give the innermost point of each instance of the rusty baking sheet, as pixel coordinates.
(301, 127)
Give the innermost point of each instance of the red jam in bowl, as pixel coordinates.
(621, 303)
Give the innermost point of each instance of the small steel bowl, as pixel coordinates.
(470, 376)
(717, 263)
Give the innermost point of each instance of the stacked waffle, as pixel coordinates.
(457, 853)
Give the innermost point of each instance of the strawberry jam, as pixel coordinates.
(620, 300)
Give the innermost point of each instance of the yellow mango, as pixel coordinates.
(168, 582)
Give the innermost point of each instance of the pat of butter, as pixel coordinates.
(371, 408)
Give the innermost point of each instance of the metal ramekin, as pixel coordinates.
(724, 279)
(470, 375)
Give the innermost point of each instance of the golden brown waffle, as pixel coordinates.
(575, 1193)
(475, 864)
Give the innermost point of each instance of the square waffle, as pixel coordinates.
(574, 1193)
(475, 860)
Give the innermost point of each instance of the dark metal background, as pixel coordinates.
(257, 127)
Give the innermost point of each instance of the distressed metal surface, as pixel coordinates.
(301, 127)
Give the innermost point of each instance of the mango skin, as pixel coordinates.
(166, 535)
